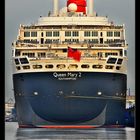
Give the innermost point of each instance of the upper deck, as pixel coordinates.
(74, 20)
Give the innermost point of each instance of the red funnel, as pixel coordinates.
(81, 5)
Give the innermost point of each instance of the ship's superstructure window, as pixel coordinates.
(125, 52)
(56, 33)
(85, 66)
(49, 66)
(18, 68)
(67, 40)
(26, 40)
(119, 61)
(110, 41)
(67, 33)
(107, 54)
(17, 53)
(37, 66)
(49, 33)
(100, 54)
(111, 60)
(109, 33)
(34, 41)
(109, 67)
(42, 54)
(94, 33)
(101, 34)
(117, 34)
(97, 66)
(116, 40)
(28, 54)
(94, 40)
(73, 66)
(121, 53)
(48, 41)
(24, 61)
(16, 61)
(75, 33)
(87, 33)
(101, 40)
(26, 67)
(26, 34)
(64, 50)
(42, 34)
(61, 66)
(55, 40)
(75, 40)
(33, 34)
(118, 68)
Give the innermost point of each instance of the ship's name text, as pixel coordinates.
(67, 76)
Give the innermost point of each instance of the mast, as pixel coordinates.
(90, 5)
(55, 7)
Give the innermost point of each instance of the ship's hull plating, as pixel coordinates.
(69, 98)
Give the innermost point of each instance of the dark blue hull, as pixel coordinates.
(69, 98)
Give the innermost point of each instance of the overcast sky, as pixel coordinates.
(28, 11)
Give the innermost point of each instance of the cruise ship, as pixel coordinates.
(70, 69)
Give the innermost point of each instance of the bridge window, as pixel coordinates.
(24, 61)
(119, 61)
(112, 60)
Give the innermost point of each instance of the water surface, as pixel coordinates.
(12, 132)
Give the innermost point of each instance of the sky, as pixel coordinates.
(28, 11)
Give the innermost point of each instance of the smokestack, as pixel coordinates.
(90, 4)
(55, 7)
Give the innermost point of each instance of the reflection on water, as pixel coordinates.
(70, 134)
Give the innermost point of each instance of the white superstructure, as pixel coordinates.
(43, 46)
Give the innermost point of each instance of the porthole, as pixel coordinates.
(109, 67)
(97, 66)
(61, 66)
(18, 68)
(49, 66)
(85, 66)
(37, 66)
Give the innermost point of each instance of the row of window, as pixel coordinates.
(75, 66)
(43, 54)
(72, 33)
(95, 41)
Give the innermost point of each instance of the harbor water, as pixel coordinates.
(12, 132)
